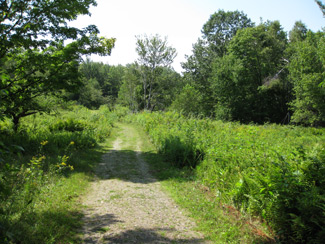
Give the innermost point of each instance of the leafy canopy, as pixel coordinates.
(40, 52)
(154, 55)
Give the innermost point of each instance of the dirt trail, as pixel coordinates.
(126, 203)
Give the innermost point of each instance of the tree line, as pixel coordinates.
(238, 70)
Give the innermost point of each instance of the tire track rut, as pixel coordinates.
(126, 203)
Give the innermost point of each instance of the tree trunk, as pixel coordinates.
(15, 120)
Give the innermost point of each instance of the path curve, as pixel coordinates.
(126, 203)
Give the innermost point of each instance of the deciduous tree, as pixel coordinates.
(247, 82)
(154, 54)
(35, 60)
(307, 73)
(216, 34)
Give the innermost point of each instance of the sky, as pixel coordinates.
(181, 21)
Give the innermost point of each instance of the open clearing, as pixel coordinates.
(126, 204)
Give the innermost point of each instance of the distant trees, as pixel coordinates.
(164, 90)
(298, 32)
(307, 73)
(188, 101)
(247, 82)
(154, 55)
(35, 62)
(131, 93)
(101, 84)
(238, 71)
(216, 34)
(256, 74)
(149, 83)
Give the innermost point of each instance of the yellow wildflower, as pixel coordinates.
(43, 143)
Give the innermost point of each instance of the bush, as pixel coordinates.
(70, 124)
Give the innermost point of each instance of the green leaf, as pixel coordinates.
(20, 148)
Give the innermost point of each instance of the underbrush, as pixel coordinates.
(272, 173)
(44, 167)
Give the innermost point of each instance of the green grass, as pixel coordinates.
(219, 223)
(270, 173)
(44, 169)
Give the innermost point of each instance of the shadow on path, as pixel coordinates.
(143, 236)
(126, 165)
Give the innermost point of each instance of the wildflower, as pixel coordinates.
(65, 158)
(72, 143)
(43, 143)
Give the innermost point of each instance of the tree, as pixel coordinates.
(154, 54)
(188, 101)
(298, 32)
(168, 85)
(109, 78)
(321, 6)
(131, 89)
(222, 27)
(90, 94)
(34, 59)
(216, 34)
(165, 89)
(249, 82)
(307, 72)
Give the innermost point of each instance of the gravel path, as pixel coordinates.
(126, 203)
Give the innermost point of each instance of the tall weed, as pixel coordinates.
(40, 172)
(271, 171)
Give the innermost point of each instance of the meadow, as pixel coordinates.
(272, 173)
(243, 183)
(44, 168)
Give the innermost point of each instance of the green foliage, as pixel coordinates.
(256, 74)
(243, 80)
(222, 27)
(34, 61)
(216, 33)
(91, 95)
(101, 84)
(68, 125)
(307, 74)
(298, 32)
(165, 86)
(274, 172)
(321, 6)
(130, 93)
(188, 101)
(41, 172)
(154, 55)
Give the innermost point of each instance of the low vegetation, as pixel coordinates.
(45, 166)
(271, 172)
(240, 77)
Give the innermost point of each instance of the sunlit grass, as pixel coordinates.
(45, 168)
(257, 174)
(215, 221)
